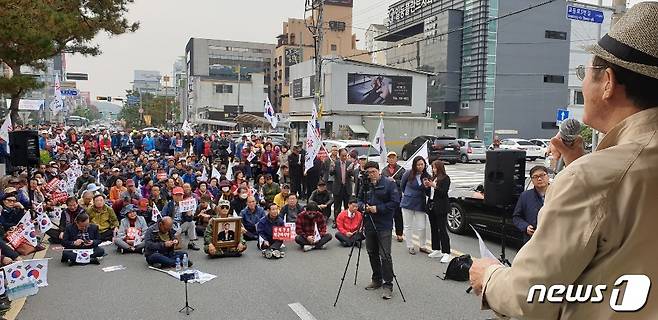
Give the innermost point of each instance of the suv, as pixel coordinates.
(361, 147)
(472, 150)
(442, 148)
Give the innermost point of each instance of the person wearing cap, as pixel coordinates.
(104, 217)
(311, 228)
(86, 178)
(184, 221)
(324, 199)
(221, 211)
(12, 211)
(225, 190)
(111, 181)
(598, 222)
(395, 171)
(281, 198)
(130, 238)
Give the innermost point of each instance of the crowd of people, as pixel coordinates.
(134, 190)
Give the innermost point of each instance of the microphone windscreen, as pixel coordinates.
(569, 129)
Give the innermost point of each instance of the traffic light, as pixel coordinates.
(108, 99)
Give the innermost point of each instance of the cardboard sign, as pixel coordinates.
(52, 185)
(59, 197)
(15, 239)
(187, 205)
(281, 233)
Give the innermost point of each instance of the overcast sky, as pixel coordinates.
(167, 25)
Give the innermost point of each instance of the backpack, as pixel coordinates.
(458, 268)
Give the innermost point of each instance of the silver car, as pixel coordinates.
(472, 150)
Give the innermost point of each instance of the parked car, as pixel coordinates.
(361, 147)
(472, 150)
(442, 148)
(532, 151)
(543, 144)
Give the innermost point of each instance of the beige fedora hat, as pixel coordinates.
(632, 43)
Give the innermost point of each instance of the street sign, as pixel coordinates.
(69, 92)
(562, 114)
(582, 14)
(141, 110)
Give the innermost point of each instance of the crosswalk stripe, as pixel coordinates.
(301, 312)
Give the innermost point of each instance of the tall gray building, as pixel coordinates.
(504, 77)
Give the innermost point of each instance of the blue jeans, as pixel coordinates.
(165, 261)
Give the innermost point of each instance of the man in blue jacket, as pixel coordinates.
(250, 217)
(82, 235)
(148, 142)
(269, 246)
(530, 202)
(378, 200)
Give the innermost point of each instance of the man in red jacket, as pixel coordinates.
(349, 225)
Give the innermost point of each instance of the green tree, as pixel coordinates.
(33, 31)
(91, 112)
(156, 106)
(586, 133)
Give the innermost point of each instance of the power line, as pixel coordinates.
(455, 30)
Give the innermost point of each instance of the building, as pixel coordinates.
(225, 78)
(351, 107)
(490, 78)
(295, 44)
(583, 34)
(147, 81)
(375, 30)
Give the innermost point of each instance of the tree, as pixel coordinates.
(586, 134)
(156, 106)
(90, 112)
(33, 31)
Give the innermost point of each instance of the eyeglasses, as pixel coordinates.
(581, 70)
(224, 207)
(539, 176)
(10, 200)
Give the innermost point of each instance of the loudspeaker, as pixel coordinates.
(24, 148)
(504, 177)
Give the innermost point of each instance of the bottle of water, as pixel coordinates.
(186, 263)
(178, 266)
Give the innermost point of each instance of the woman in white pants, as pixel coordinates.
(415, 190)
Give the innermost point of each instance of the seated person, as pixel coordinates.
(204, 212)
(222, 211)
(67, 217)
(291, 210)
(104, 217)
(349, 225)
(250, 217)
(160, 240)
(266, 243)
(306, 225)
(87, 199)
(130, 237)
(239, 202)
(324, 198)
(184, 221)
(82, 235)
(281, 197)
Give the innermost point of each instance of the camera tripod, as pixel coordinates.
(185, 278)
(387, 256)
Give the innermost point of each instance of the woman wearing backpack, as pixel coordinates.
(438, 212)
(415, 189)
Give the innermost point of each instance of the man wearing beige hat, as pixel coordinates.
(599, 218)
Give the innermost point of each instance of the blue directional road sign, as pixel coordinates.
(133, 100)
(562, 114)
(583, 14)
(69, 92)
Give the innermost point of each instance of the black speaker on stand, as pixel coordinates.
(24, 148)
(504, 181)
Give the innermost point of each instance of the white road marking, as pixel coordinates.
(301, 312)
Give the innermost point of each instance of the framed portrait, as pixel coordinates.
(226, 232)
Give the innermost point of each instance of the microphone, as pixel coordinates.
(569, 130)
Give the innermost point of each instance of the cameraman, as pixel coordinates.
(378, 199)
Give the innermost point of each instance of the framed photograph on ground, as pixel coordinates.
(226, 232)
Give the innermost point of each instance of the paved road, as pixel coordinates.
(251, 287)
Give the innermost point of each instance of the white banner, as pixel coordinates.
(313, 145)
(379, 142)
(29, 104)
(187, 205)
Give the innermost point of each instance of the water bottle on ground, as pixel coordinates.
(186, 263)
(178, 266)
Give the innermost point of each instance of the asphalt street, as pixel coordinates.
(251, 287)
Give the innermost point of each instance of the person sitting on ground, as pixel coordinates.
(291, 210)
(324, 198)
(203, 191)
(250, 217)
(130, 238)
(270, 189)
(160, 241)
(104, 217)
(222, 211)
(117, 190)
(67, 217)
(266, 243)
(281, 198)
(204, 212)
(82, 235)
(308, 223)
(87, 199)
(131, 192)
(240, 200)
(183, 221)
(349, 225)
(225, 190)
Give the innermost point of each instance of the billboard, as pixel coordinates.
(372, 89)
(346, 3)
(304, 87)
(293, 56)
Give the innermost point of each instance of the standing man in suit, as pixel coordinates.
(342, 186)
(296, 171)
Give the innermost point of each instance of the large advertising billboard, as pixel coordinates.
(371, 89)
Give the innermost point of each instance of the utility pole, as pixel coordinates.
(316, 7)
